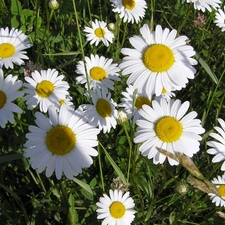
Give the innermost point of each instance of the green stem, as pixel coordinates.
(100, 168)
(81, 47)
(184, 20)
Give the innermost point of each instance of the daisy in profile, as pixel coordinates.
(116, 208)
(166, 94)
(102, 113)
(98, 32)
(204, 4)
(8, 93)
(218, 144)
(159, 60)
(12, 45)
(62, 143)
(101, 72)
(165, 125)
(130, 10)
(220, 18)
(219, 199)
(133, 101)
(45, 88)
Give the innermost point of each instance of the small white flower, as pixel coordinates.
(204, 4)
(220, 19)
(100, 70)
(220, 184)
(99, 32)
(218, 145)
(116, 209)
(12, 46)
(130, 10)
(102, 113)
(9, 92)
(45, 88)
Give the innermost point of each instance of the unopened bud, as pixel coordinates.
(53, 4)
(122, 117)
(111, 26)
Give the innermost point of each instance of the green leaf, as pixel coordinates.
(9, 158)
(14, 22)
(16, 7)
(72, 211)
(83, 185)
(64, 53)
(116, 168)
(27, 12)
(206, 68)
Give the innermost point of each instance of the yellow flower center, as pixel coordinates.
(168, 129)
(99, 32)
(97, 73)
(2, 99)
(44, 88)
(60, 140)
(129, 4)
(6, 50)
(117, 210)
(140, 101)
(164, 91)
(158, 58)
(61, 101)
(221, 190)
(103, 108)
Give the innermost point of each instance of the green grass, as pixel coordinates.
(27, 197)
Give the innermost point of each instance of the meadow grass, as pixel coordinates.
(59, 42)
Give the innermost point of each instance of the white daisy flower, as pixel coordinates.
(159, 60)
(165, 126)
(101, 72)
(220, 184)
(102, 113)
(99, 32)
(204, 4)
(165, 94)
(12, 46)
(220, 18)
(133, 101)
(130, 10)
(62, 143)
(8, 93)
(45, 88)
(116, 209)
(218, 145)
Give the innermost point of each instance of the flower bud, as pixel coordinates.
(53, 4)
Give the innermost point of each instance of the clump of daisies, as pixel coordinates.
(12, 45)
(98, 32)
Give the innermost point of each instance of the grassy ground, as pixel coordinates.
(27, 197)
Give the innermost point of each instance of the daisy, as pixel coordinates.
(133, 101)
(165, 126)
(130, 10)
(99, 32)
(62, 143)
(116, 208)
(102, 113)
(9, 92)
(45, 88)
(159, 60)
(100, 70)
(220, 18)
(204, 4)
(12, 45)
(218, 145)
(165, 94)
(219, 199)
